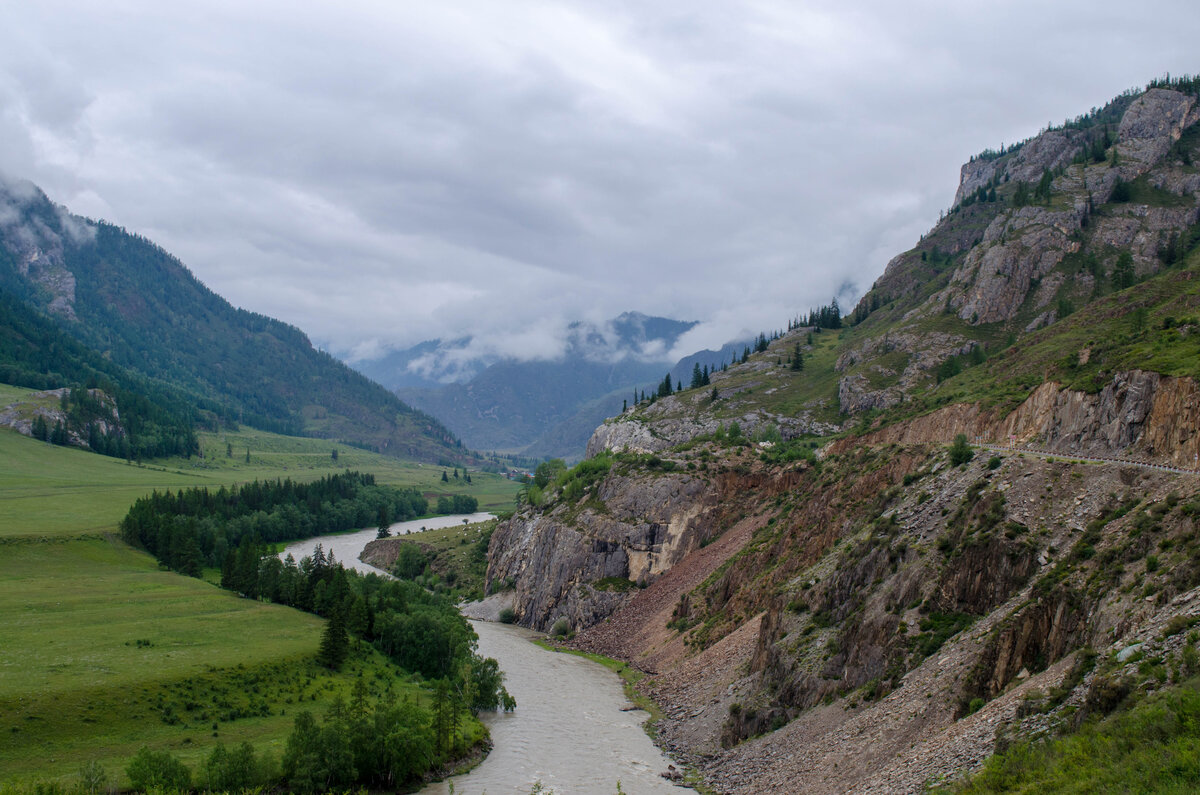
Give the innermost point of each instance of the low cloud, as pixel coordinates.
(383, 174)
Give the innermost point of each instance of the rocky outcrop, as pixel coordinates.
(1018, 249)
(925, 352)
(1153, 122)
(21, 415)
(670, 422)
(1022, 246)
(1139, 414)
(37, 246)
(629, 532)
(855, 395)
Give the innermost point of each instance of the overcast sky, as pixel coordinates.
(379, 173)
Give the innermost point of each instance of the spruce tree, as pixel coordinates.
(335, 643)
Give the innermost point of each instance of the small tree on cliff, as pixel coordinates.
(960, 451)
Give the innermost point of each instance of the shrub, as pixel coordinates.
(994, 462)
(561, 627)
(960, 451)
(157, 769)
(507, 616)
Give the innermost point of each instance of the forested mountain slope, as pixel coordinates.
(138, 308)
(825, 583)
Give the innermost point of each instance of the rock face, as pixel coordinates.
(1142, 415)
(1022, 246)
(20, 416)
(677, 419)
(996, 264)
(37, 247)
(632, 529)
(924, 352)
(1152, 124)
(1017, 250)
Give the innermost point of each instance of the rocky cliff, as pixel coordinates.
(582, 561)
(819, 588)
(1119, 184)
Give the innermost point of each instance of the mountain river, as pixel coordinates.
(569, 732)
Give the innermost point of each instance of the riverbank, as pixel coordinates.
(347, 547)
(572, 731)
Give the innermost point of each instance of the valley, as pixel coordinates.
(106, 652)
(895, 549)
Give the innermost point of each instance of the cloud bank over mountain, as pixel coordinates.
(384, 174)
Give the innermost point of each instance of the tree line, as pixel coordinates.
(193, 528)
(385, 744)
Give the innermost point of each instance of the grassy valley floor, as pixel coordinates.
(104, 652)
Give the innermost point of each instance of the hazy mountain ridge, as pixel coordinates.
(139, 308)
(883, 610)
(549, 407)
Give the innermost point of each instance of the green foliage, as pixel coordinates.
(411, 561)
(154, 420)
(198, 527)
(785, 452)
(618, 584)
(828, 316)
(235, 770)
(1042, 191)
(936, 629)
(960, 451)
(574, 482)
(768, 432)
(1153, 747)
(507, 616)
(1020, 196)
(548, 472)
(335, 643)
(157, 769)
(457, 503)
(560, 628)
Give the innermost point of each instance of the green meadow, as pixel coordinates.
(103, 652)
(48, 491)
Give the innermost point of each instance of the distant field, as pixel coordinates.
(60, 491)
(103, 653)
(272, 455)
(48, 491)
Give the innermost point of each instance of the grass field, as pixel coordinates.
(102, 652)
(48, 491)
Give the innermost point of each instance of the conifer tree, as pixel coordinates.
(335, 643)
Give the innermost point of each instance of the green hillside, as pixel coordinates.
(139, 318)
